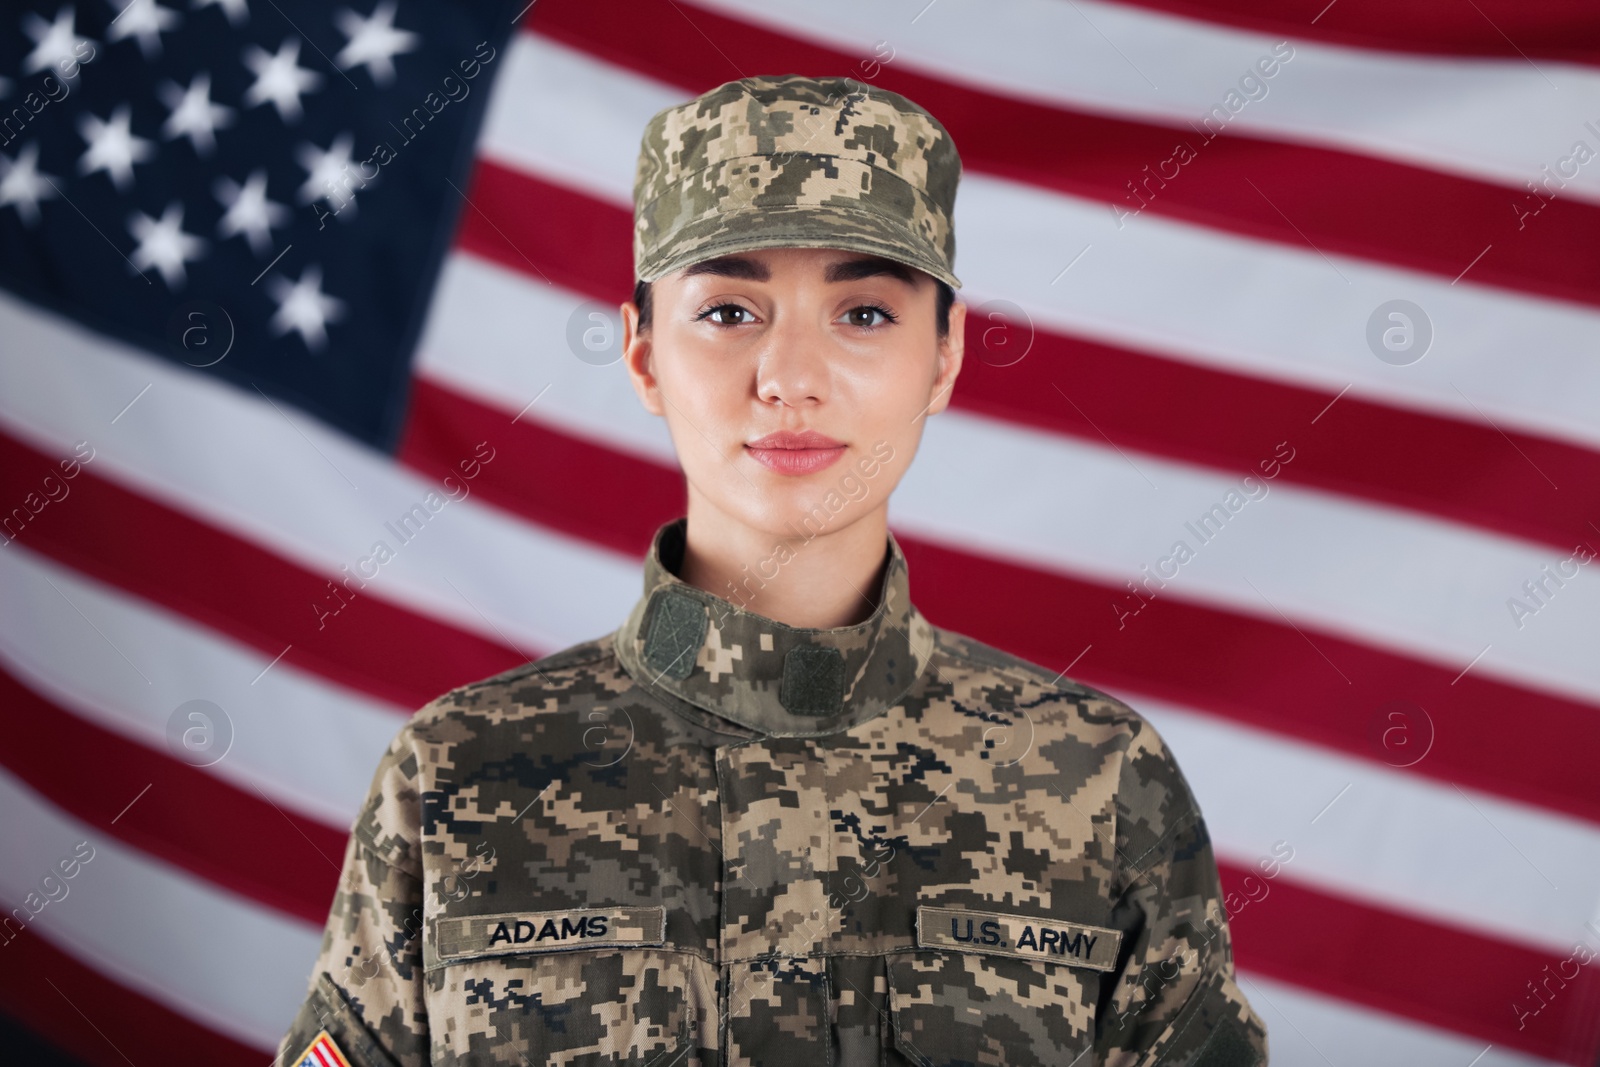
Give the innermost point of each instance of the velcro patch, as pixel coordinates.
(515, 933)
(1023, 936)
(677, 630)
(322, 1052)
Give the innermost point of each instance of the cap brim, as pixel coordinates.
(838, 217)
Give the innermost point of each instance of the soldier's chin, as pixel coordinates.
(803, 513)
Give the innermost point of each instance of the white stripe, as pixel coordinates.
(1188, 292)
(1285, 313)
(253, 469)
(479, 358)
(1397, 580)
(305, 743)
(1306, 1029)
(1433, 589)
(1492, 119)
(595, 149)
(224, 962)
(1406, 843)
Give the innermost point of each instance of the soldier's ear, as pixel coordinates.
(638, 356)
(952, 349)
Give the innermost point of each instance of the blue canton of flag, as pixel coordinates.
(264, 192)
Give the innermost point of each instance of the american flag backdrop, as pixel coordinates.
(309, 411)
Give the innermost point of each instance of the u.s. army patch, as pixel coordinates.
(1022, 936)
(322, 1052)
(514, 933)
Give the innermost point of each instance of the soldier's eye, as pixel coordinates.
(861, 315)
(722, 314)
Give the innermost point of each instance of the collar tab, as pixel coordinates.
(677, 630)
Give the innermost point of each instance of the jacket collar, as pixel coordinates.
(778, 680)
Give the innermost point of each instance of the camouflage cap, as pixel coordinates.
(789, 161)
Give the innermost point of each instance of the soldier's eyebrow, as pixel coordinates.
(855, 269)
(730, 267)
(849, 270)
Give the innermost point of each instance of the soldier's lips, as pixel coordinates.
(795, 460)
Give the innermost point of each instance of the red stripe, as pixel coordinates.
(548, 232)
(182, 563)
(1551, 29)
(1442, 975)
(552, 475)
(1227, 663)
(1272, 676)
(1338, 201)
(99, 1021)
(1463, 471)
(186, 816)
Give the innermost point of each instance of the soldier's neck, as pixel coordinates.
(799, 576)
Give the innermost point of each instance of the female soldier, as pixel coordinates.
(821, 830)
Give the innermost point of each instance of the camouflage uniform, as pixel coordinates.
(710, 838)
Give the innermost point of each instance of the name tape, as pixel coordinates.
(1022, 936)
(518, 932)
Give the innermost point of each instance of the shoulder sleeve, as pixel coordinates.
(1173, 998)
(366, 993)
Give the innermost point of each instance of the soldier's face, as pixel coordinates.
(838, 343)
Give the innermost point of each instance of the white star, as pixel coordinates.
(304, 307)
(236, 10)
(55, 43)
(329, 174)
(374, 41)
(23, 184)
(146, 20)
(112, 146)
(193, 114)
(249, 211)
(163, 245)
(278, 79)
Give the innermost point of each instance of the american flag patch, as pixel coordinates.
(322, 1052)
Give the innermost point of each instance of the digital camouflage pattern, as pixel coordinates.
(786, 161)
(710, 838)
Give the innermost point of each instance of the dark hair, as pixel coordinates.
(946, 297)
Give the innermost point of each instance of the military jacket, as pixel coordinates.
(710, 838)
